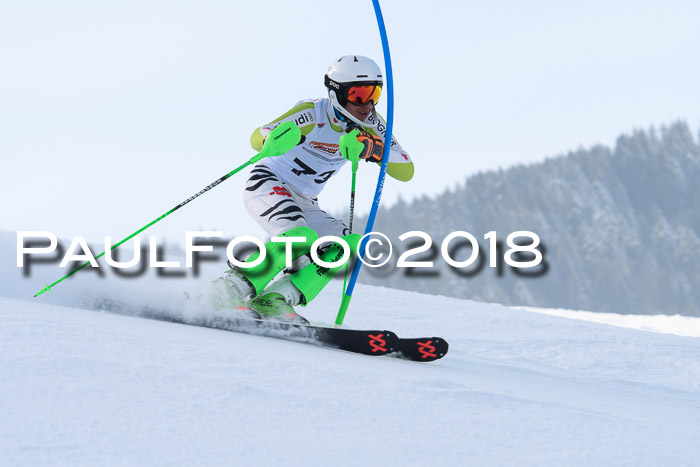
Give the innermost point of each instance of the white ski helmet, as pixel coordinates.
(353, 70)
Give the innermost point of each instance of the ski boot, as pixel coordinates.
(272, 306)
(275, 302)
(232, 290)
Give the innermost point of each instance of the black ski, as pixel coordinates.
(379, 342)
(421, 349)
(245, 320)
(367, 342)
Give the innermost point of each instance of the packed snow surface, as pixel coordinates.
(666, 324)
(82, 387)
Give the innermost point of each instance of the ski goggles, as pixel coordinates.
(361, 94)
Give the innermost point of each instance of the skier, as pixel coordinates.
(281, 193)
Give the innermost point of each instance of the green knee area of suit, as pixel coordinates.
(275, 257)
(313, 278)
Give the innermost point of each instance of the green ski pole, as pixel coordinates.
(354, 158)
(354, 146)
(280, 140)
(385, 161)
(352, 210)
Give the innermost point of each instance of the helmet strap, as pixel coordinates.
(340, 116)
(340, 109)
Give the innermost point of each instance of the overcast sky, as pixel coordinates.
(111, 113)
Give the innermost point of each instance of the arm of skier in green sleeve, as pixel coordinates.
(298, 113)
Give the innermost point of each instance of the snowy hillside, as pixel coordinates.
(620, 227)
(82, 387)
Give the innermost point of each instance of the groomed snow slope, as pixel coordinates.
(80, 387)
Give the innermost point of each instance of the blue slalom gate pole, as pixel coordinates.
(347, 296)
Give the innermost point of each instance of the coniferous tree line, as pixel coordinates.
(620, 227)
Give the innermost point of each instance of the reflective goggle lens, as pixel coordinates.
(360, 95)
